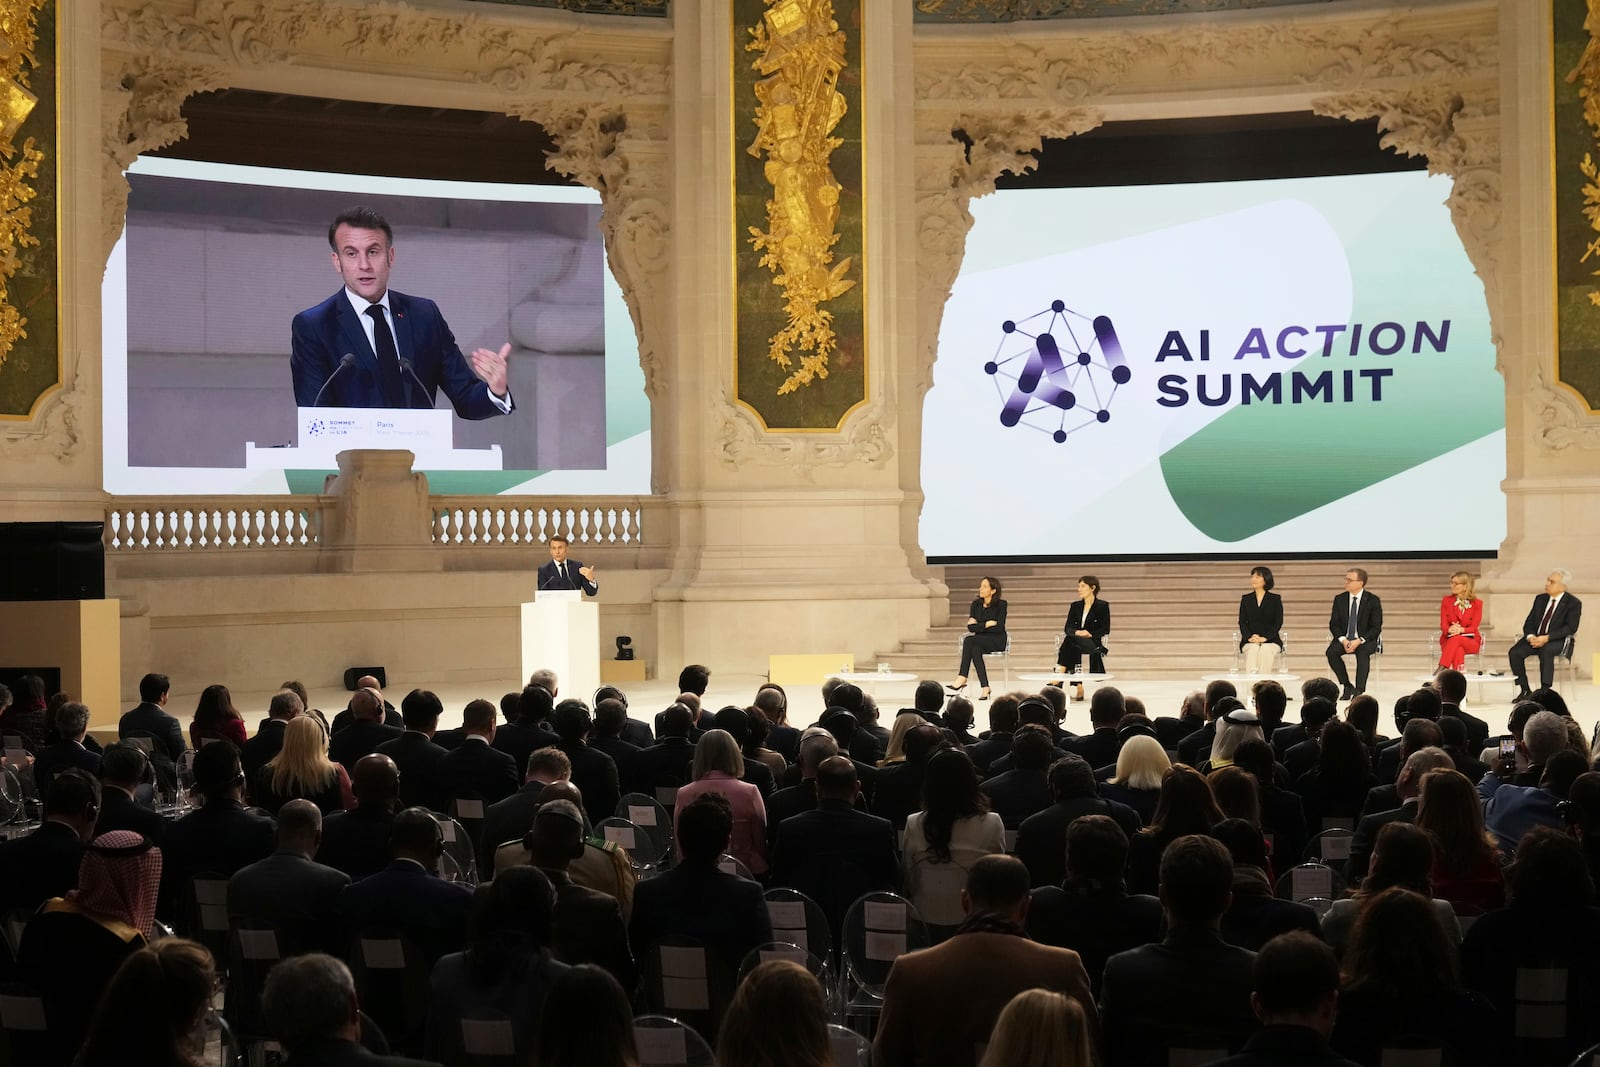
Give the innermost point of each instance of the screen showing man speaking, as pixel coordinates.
(253, 327)
(1284, 366)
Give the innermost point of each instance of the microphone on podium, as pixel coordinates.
(345, 362)
(410, 372)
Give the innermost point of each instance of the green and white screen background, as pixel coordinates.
(1245, 423)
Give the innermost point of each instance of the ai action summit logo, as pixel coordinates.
(1068, 372)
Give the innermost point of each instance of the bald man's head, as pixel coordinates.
(368, 681)
(561, 791)
(376, 781)
(366, 704)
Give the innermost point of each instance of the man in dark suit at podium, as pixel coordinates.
(1551, 621)
(564, 573)
(369, 347)
(1355, 623)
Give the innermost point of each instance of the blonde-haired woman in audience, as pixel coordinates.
(778, 1018)
(1039, 1028)
(1141, 764)
(896, 752)
(718, 768)
(302, 770)
(1466, 863)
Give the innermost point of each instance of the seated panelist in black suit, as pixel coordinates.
(1088, 623)
(1260, 623)
(986, 632)
(1551, 621)
(1355, 623)
(564, 573)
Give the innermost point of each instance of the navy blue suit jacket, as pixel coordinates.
(550, 579)
(322, 335)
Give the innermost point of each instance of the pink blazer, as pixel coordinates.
(749, 842)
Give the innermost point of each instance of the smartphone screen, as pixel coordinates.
(1508, 749)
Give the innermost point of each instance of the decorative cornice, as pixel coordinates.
(1563, 421)
(865, 439)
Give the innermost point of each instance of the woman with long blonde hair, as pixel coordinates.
(896, 751)
(302, 770)
(1039, 1028)
(1141, 764)
(1460, 619)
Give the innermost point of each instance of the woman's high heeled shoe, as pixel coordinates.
(984, 695)
(955, 688)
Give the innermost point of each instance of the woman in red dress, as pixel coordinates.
(1460, 616)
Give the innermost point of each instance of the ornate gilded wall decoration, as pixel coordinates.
(798, 210)
(1577, 194)
(28, 357)
(1027, 10)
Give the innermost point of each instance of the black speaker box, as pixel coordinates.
(52, 561)
(353, 673)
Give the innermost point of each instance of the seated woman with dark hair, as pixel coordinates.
(151, 1011)
(506, 970)
(1186, 806)
(1336, 788)
(954, 829)
(587, 1022)
(778, 1018)
(1363, 715)
(1402, 856)
(1401, 978)
(1466, 864)
(215, 718)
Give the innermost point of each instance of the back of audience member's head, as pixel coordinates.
(415, 835)
(309, 999)
(571, 721)
(1296, 982)
(1132, 706)
(71, 720)
(1582, 810)
(1184, 806)
(1402, 855)
(1216, 690)
(1543, 736)
(1398, 945)
(1255, 755)
(152, 687)
(1141, 763)
(73, 794)
(1270, 702)
(1343, 758)
(928, 697)
(1452, 814)
(694, 678)
(774, 703)
(563, 791)
(1097, 850)
(285, 704)
(1106, 706)
(841, 724)
(847, 695)
(1234, 727)
(815, 749)
(480, 717)
(509, 925)
(1452, 686)
(1432, 758)
(895, 751)
(1363, 715)
(1040, 1028)
(692, 702)
(123, 764)
(1550, 872)
(1196, 880)
(1003, 712)
(950, 792)
(549, 764)
(1561, 770)
(676, 721)
(1424, 704)
(1193, 705)
(1034, 710)
(1453, 732)
(421, 709)
(1401, 712)
(1317, 713)
(1420, 734)
(299, 826)
(1072, 777)
(1319, 688)
(299, 690)
(958, 714)
(1551, 700)
(704, 827)
(376, 781)
(609, 692)
(534, 705)
(836, 779)
(556, 837)
(1521, 712)
(997, 884)
(921, 742)
(217, 770)
(149, 1011)
(778, 1018)
(610, 716)
(1237, 794)
(508, 705)
(1243, 841)
(717, 751)
(586, 1021)
(1031, 748)
(735, 722)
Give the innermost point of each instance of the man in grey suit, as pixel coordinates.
(291, 891)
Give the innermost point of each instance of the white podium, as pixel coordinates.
(563, 635)
(325, 432)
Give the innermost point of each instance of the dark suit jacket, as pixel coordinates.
(422, 770)
(1286, 737)
(412, 901)
(356, 842)
(988, 750)
(963, 984)
(59, 757)
(896, 794)
(1477, 729)
(265, 745)
(518, 740)
(322, 335)
(586, 927)
(1286, 1046)
(1381, 798)
(151, 720)
(1098, 748)
(1095, 922)
(833, 854)
(1265, 618)
(668, 762)
(509, 819)
(785, 740)
(1015, 795)
(1563, 624)
(638, 734)
(1366, 835)
(1042, 838)
(219, 838)
(1196, 748)
(1301, 757)
(1256, 916)
(1387, 764)
(1171, 731)
(1193, 982)
(622, 753)
(296, 895)
(477, 771)
(391, 717)
(1098, 624)
(42, 865)
(335, 1053)
(595, 775)
(359, 739)
(550, 578)
(1369, 617)
(118, 811)
(870, 744)
(724, 912)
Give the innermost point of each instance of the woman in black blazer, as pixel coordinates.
(986, 632)
(1088, 623)
(1260, 623)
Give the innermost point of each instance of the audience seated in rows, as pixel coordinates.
(289, 890)
(1466, 864)
(593, 772)
(310, 1004)
(475, 769)
(356, 841)
(1407, 796)
(1295, 996)
(268, 741)
(718, 768)
(125, 774)
(407, 897)
(1186, 807)
(954, 829)
(364, 731)
(1041, 838)
(587, 924)
(420, 762)
(301, 769)
(219, 837)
